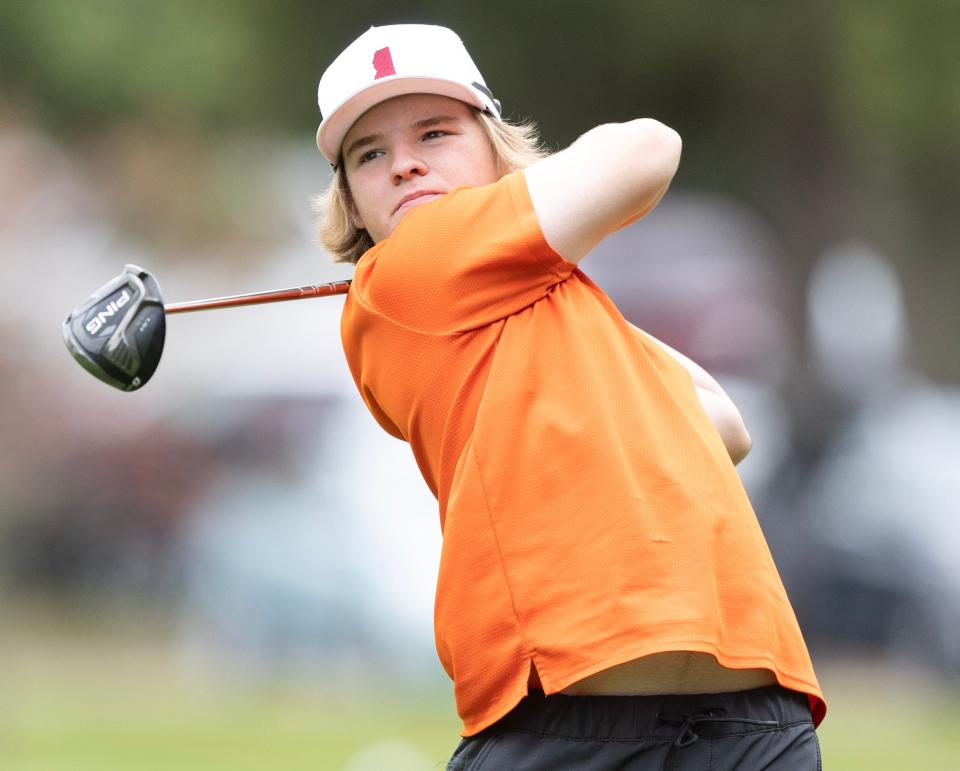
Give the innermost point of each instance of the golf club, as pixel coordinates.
(117, 334)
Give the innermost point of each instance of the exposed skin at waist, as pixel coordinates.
(667, 673)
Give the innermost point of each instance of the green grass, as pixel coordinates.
(76, 702)
(81, 704)
(883, 718)
(243, 734)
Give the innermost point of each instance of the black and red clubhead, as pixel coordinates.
(117, 334)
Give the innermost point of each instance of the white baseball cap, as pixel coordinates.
(389, 61)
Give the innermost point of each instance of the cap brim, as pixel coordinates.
(334, 128)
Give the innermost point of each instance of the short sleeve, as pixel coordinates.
(462, 261)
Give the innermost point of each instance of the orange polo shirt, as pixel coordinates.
(589, 510)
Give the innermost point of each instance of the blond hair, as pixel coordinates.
(515, 146)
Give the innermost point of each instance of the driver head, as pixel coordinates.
(117, 334)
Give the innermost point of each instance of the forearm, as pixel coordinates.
(726, 418)
(721, 410)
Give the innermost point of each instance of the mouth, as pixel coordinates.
(417, 198)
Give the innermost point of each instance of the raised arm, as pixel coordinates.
(721, 410)
(610, 176)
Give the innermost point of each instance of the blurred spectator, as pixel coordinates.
(874, 493)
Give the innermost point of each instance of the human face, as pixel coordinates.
(409, 150)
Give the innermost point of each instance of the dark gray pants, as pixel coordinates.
(765, 728)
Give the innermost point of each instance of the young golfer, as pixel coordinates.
(606, 599)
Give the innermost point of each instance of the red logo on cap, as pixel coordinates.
(383, 63)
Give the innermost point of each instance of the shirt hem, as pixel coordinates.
(811, 689)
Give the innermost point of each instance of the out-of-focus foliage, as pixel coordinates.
(751, 76)
(83, 65)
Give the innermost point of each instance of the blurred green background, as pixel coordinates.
(233, 569)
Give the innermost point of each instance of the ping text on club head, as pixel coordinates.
(109, 311)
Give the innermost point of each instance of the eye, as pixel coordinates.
(369, 156)
(435, 134)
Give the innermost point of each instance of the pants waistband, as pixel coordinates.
(631, 718)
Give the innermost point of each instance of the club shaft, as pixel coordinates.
(257, 298)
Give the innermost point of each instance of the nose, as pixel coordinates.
(407, 163)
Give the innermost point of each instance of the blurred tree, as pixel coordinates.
(84, 65)
(897, 97)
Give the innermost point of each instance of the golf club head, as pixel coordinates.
(117, 334)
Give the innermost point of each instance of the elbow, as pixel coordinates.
(648, 158)
(670, 147)
(655, 150)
